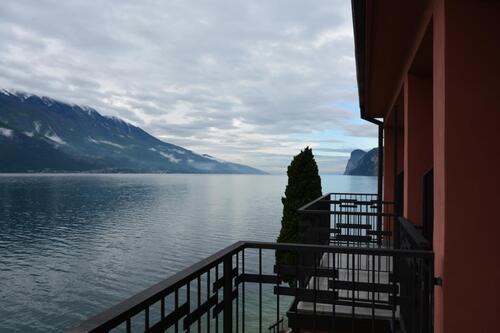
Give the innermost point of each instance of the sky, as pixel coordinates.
(251, 82)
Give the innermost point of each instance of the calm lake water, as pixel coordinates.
(73, 245)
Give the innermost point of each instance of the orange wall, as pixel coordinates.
(417, 142)
(466, 159)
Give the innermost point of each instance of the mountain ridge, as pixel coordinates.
(80, 139)
(362, 163)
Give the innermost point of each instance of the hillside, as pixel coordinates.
(40, 134)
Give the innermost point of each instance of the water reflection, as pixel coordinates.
(72, 245)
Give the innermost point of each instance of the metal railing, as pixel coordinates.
(416, 291)
(239, 289)
(358, 269)
(277, 327)
(349, 219)
(362, 220)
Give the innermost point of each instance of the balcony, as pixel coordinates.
(357, 270)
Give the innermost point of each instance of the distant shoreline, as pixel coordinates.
(133, 173)
(157, 173)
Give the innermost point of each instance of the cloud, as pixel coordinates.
(362, 130)
(247, 81)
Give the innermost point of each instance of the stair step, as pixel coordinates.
(379, 233)
(305, 270)
(351, 238)
(347, 201)
(363, 286)
(353, 226)
(307, 295)
(348, 205)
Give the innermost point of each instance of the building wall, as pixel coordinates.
(393, 132)
(388, 164)
(466, 158)
(417, 141)
(465, 154)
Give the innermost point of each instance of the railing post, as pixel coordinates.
(228, 294)
(430, 298)
(324, 224)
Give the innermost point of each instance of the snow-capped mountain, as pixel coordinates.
(40, 134)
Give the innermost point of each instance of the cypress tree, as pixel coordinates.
(304, 185)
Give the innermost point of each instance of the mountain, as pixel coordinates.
(353, 160)
(362, 163)
(40, 134)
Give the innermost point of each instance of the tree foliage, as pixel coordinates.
(304, 185)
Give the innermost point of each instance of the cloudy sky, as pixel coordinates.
(247, 81)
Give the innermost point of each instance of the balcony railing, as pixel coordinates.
(349, 219)
(416, 292)
(362, 220)
(354, 288)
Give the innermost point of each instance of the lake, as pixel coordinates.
(73, 245)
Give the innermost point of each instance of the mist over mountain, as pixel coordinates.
(40, 134)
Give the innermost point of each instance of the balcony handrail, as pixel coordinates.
(118, 313)
(377, 251)
(353, 193)
(328, 195)
(312, 203)
(359, 202)
(333, 212)
(126, 309)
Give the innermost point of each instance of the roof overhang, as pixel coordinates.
(387, 35)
